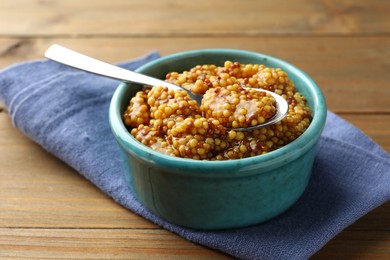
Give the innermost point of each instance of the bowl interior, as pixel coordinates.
(186, 60)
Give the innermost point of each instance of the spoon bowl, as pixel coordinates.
(80, 61)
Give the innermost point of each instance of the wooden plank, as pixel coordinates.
(99, 244)
(140, 244)
(146, 244)
(167, 17)
(357, 245)
(351, 71)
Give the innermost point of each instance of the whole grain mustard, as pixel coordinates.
(170, 122)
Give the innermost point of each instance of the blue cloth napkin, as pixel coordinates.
(66, 112)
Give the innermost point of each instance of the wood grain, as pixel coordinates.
(172, 18)
(352, 72)
(357, 245)
(158, 244)
(98, 244)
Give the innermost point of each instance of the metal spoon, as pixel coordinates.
(80, 61)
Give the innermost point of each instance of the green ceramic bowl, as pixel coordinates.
(218, 194)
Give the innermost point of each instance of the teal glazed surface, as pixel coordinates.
(218, 194)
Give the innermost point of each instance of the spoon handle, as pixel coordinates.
(80, 61)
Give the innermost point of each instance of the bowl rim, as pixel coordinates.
(269, 160)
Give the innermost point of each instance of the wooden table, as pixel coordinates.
(47, 210)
